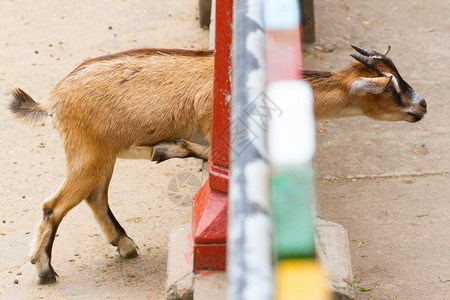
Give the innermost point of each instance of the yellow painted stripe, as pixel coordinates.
(300, 280)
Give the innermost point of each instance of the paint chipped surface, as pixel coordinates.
(188, 255)
(249, 260)
(205, 273)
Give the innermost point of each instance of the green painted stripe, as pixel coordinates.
(291, 193)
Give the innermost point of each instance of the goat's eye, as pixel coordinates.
(388, 88)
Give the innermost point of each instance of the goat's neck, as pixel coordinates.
(331, 95)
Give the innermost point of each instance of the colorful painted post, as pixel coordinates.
(291, 182)
(249, 263)
(291, 145)
(209, 212)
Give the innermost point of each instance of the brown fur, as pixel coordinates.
(148, 98)
(333, 97)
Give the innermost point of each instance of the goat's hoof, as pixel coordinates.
(158, 154)
(127, 248)
(131, 254)
(47, 277)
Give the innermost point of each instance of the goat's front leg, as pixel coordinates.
(114, 232)
(179, 149)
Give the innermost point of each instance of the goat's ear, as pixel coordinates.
(367, 85)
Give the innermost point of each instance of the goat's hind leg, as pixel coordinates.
(54, 209)
(82, 177)
(114, 232)
(41, 254)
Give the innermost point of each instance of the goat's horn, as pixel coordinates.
(387, 50)
(362, 50)
(360, 58)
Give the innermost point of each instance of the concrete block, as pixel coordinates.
(180, 278)
(333, 252)
(210, 285)
(181, 282)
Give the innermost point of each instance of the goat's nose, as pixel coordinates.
(423, 103)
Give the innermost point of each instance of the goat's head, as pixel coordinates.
(386, 95)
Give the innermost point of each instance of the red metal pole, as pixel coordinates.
(209, 212)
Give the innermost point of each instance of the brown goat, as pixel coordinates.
(372, 87)
(131, 103)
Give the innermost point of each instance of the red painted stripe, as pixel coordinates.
(284, 56)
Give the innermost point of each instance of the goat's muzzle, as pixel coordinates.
(417, 112)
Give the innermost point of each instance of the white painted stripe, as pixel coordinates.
(281, 14)
(291, 137)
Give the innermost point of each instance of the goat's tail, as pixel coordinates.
(25, 108)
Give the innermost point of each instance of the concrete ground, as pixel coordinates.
(387, 183)
(40, 43)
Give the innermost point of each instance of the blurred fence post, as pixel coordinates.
(249, 264)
